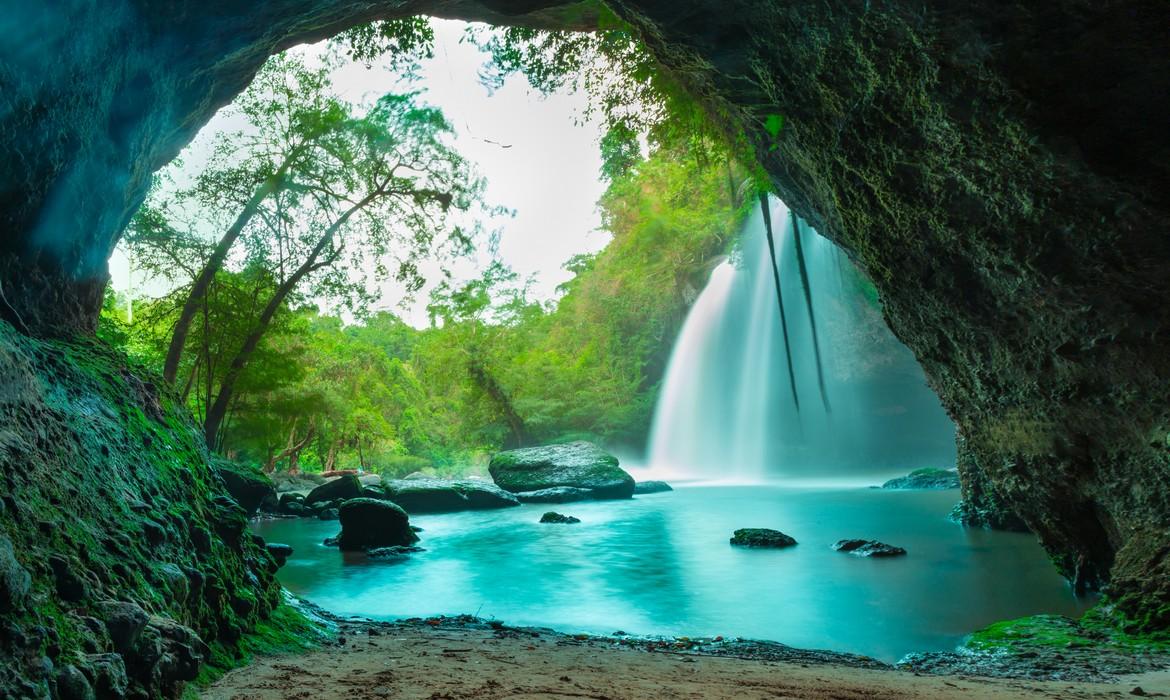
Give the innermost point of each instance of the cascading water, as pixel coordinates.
(727, 408)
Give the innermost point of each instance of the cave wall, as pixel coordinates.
(123, 567)
(999, 170)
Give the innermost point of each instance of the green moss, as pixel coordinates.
(286, 631)
(1100, 628)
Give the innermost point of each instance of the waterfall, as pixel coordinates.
(726, 408)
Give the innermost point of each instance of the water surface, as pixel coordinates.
(661, 564)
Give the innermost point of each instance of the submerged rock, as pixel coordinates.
(576, 464)
(644, 487)
(393, 553)
(761, 537)
(441, 496)
(344, 487)
(868, 548)
(367, 523)
(557, 494)
(552, 517)
(925, 479)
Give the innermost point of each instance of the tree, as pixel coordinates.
(326, 195)
(291, 116)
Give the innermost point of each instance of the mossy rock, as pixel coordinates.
(343, 487)
(761, 537)
(927, 479)
(442, 496)
(368, 523)
(577, 464)
(249, 486)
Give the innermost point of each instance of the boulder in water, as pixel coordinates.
(868, 548)
(557, 494)
(761, 537)
(576, 464)
(441, 496)
(344, 487)
(557, 518)
(925, 479)
(367, 523)
(644, 487)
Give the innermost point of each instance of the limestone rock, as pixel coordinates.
(576, 464)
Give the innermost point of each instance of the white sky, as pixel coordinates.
(549, 174)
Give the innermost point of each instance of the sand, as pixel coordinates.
(438, 662)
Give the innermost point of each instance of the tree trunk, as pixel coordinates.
(203, 282)
(492, 388)
(218, 410)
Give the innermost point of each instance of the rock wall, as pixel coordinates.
(999, 169)
(121, 561)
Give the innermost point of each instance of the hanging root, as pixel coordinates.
(779, 296)
(15, 314)
(812, 321)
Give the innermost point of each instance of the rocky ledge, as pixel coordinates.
(928, 479)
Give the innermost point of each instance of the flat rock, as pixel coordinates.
(576, 464)
(368, 523)
(761, 537)
(557, 518)
(925, 479)
(443, 496)
(644, 487)
(557, 494)
(868, 548)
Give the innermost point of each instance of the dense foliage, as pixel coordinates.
(280, 383)
(493, 369)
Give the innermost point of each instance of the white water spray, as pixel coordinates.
(726, 410)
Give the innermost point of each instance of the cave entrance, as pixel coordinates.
(337, 379)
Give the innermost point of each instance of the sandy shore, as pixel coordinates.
(447, 661)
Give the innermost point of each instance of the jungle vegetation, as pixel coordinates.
(320, 198)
